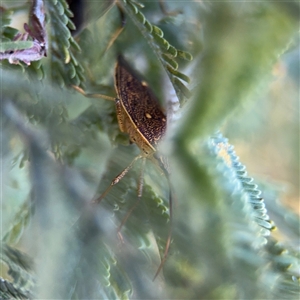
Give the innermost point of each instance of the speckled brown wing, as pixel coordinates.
(139, 103)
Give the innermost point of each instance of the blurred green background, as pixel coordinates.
(60, 149)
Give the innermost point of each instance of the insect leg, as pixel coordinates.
(164, 258)
(166, 12)
(82, 92)
(118, 31)
(140, 192)
(117, 179)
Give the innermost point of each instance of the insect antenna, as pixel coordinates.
(119, 30)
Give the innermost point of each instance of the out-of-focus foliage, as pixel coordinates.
(56, 146)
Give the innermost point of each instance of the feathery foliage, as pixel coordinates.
(66, 70)
(59, 149)
(161, 47)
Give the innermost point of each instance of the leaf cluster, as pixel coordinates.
(57, 145)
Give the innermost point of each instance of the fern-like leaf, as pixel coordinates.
(66, 69)
(165, 52)
(257, 203)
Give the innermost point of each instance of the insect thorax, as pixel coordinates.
(126, 125)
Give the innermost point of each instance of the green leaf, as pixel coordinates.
(60, 150)
(15, 45)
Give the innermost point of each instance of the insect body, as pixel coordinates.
(139, 114)
(138, 111)
(141, 117)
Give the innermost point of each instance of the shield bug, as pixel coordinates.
(141, 117)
